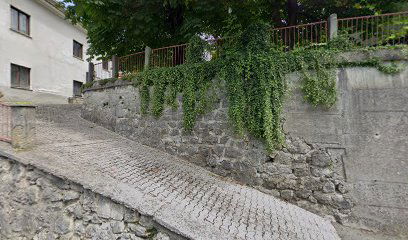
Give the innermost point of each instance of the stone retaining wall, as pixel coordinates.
(304, 173)
(335, 160)
(37, 205)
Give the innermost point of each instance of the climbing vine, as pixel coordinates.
(161, 86)
(254, 74)
(319, 81)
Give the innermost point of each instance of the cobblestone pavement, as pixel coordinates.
(183, 197)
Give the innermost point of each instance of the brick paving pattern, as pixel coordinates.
(232, 210)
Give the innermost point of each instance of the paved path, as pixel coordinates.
(183, 197)
(20, 95)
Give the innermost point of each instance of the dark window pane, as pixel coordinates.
(14, 19)
(77, 89)
(14, 76)
(24, 77)
(77, 49)
(23, 23)
(20, 77)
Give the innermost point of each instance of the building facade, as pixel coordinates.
(39, 49)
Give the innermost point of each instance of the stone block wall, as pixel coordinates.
(347, 162)
(37, 205)
(303, 173)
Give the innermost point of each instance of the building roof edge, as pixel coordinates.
(54, 7)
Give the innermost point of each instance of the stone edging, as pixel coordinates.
(180, 226)
(38, 205)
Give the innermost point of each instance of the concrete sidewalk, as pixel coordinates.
(182, 197)
(19, 95)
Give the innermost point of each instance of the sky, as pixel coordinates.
(64, 3)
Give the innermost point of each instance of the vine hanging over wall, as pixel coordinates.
(254, 74)
(193, 80)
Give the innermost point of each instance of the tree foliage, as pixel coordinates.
(119, 27)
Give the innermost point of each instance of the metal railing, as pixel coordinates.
(5, 123)
(159, 57)
(131, 63)
(385, 29)
(300, 35)
(168, 56)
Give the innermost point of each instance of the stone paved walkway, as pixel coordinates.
(182, 197)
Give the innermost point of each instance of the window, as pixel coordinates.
(20, 77)
(20, 21)
(77, 89)
(105, 65)
(77, 50)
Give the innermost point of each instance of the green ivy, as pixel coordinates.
(391, 69)
(86, 86)
(195, 50)
(103, 82)
(256, 90)
(254, 74)
(319, 80)
(161, 86)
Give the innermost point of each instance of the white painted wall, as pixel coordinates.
(48, 51)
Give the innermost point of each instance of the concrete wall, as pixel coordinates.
(37, 205)
(349, 162)
(48, 51)
(369, 128)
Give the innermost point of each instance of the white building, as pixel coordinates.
(40, 50)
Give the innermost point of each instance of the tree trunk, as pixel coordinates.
(292, 12)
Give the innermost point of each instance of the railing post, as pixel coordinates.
(148, 52)
(333, 26)
(22, 126)
(91, 72)
(115, 67)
